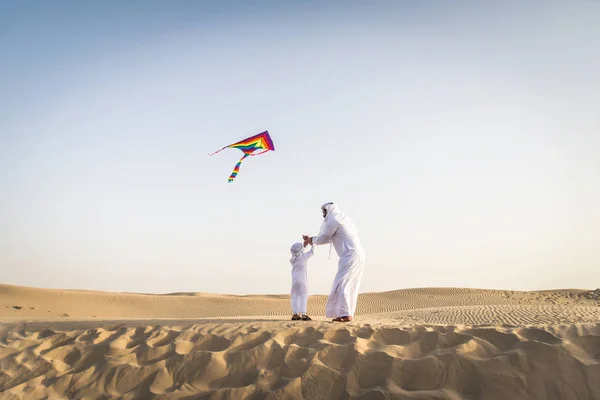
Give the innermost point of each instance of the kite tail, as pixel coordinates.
(236, 169)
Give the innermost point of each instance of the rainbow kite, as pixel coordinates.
(249, 146)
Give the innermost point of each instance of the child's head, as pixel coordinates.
(296, 248)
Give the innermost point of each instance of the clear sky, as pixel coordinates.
(462, 137)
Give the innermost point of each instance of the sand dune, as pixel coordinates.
(430, 343)
(17, 301)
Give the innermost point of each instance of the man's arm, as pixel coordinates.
(325, 237)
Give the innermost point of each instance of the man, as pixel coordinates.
(339, 230)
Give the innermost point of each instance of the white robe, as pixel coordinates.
(340, 230)
(299, 295)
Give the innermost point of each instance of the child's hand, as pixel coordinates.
(307, 240)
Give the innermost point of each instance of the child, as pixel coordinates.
(299, 281)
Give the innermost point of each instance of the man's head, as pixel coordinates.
(325, 208)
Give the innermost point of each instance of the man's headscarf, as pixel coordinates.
(334, 212)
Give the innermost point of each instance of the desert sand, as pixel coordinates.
(426, 343)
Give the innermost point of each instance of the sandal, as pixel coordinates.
(306, 318)
(295, 317)
(345, 318)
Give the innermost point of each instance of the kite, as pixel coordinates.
(248, 146)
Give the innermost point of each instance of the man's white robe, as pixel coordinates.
(340, 230)
(299, 294)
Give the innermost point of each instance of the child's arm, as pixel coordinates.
(310, 253)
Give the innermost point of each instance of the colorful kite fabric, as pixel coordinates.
(248, 146)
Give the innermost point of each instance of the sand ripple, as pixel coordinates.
(301, 360)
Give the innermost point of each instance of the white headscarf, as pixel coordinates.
(333, 211)
(296, 251)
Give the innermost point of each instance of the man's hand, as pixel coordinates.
(307, 240)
